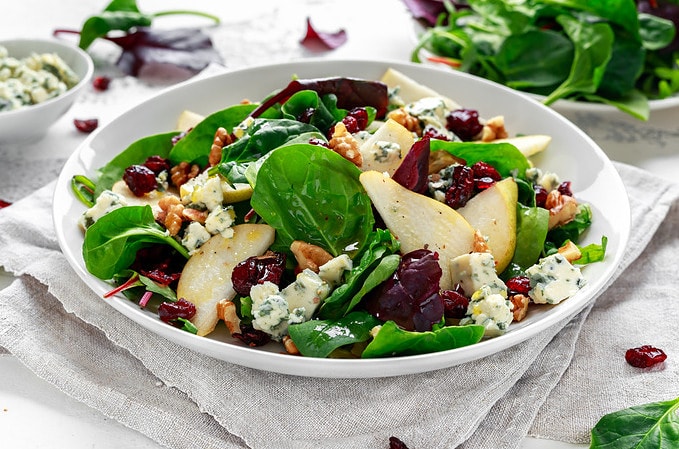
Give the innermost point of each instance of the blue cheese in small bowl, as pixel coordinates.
(34, 79)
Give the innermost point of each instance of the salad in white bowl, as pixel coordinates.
(342, 217)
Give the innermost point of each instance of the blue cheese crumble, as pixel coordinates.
(195, 236)
(32, 80)
(106, 202)
(553, 279)
(491, 310)
(474, 271)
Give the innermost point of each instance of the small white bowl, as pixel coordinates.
(32, 122)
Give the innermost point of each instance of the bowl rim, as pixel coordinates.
(58, 47)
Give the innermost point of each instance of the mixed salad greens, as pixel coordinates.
(343, 217)
(620, 52)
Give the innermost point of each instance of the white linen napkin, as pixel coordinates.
(55, 325)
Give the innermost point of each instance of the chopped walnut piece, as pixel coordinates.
(171, 213)
(194, 215)
(409, 122)
(493, 129)
(221, 140)
(309, 256)
(480, 243)
(226, 311)
(562, 208)
(290, 346)
(570, 251)
(520, 303)
(344, 144)
(182, 172)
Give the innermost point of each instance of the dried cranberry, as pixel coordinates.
(319, 142)
(518, 285)
(462, 188)
(455, 302)
(170, 312)
(359, 117)
(256, 270)
(433, 133)
(4, 203)
(464, 123)
(305, 117)
(157, 164)
(86, 125)
(179, 136)
(158, 263)
(252, 337)
(485, 175)
(565, 188)
(395, 443)
(645, 356)
(540, 195)
(101, 83)
(140, 179)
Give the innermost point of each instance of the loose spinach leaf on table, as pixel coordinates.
(649, 426)
(112, 242)
(309, 193)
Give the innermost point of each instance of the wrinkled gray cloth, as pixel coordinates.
(555, 385)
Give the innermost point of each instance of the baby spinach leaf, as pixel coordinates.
(649, 426)
(381, 244)
(531, 230)
(593, 45)
(195, 146)
(307, 192)
(112, 242)
(136, 153)
(318, 338)
(505, 157)
(324, 111)
(593, 252)
(393, 341)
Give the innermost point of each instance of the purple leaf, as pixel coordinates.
(411, 297)
(317, 40)
(168, 53)
(425, 11)
(413, 173)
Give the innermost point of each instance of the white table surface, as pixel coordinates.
(33, 413)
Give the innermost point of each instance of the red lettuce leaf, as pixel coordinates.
(317, 40)
(413, 173)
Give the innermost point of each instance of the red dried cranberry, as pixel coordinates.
(485, 175)
(360, 118)
(157, 164)
(86, 125)
(518, 285)
(256, 270)
(101, 83)
(464, 123)
(140, 179)
(455, 302)
(462, 188)
(540, 195)
(395, 443)
(170, 312)
(433, 133)
(158, 263)
(4, 203)
(319, 142)
(252, 337)
(645, 356)
(305, 117)
(565, 188)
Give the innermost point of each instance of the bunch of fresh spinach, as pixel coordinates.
(591, 50)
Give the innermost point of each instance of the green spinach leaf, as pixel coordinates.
(112, 242)
(649, 426)
(307, 192)
(531, 231)
(505, 157)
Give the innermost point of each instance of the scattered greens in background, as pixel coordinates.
(617, 52)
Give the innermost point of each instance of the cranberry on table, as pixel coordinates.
(101, 83)
(645, 356)
(86, 125)
(4, 203)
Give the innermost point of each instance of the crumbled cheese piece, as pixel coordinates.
(474, 271)
(203, 191)
(105, 203)
(219, 221)
(553, 279)
(195, 236)
(332, 271)
(491, 310)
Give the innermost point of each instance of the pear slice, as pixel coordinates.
(418, 221)
(493, 213)
(410, 90)
(384, 150)
(206, 278)
(528, 145)
(188, 119)
(236, 192)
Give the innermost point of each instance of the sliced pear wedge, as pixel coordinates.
(418, 221)
(384, 150)
(206, 278)
(188, 119)
(528, 145)
(410, 90)
(493, 213)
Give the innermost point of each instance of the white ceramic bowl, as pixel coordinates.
(572, 154)
(32, 122)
